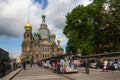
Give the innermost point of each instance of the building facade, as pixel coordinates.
(40, 44)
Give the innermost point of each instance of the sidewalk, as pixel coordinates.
(38, 73)
(45, 74)
(10, 75)
(95, 74)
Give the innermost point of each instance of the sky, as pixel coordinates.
(14, 14)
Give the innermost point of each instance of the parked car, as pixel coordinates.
(93, 65)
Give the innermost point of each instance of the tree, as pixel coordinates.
(83, 28)
(94, 28)
(79, 30)
(114, 10)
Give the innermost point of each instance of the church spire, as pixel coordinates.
(28, 24)
(28, 13)
(52, 30)
(43, 17)
(43, 14)
(58, 41)
(43, 25)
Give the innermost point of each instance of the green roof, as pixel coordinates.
(36, 33)
(52, 35)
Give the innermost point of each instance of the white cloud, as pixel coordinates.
(56, 11)
(14, 14)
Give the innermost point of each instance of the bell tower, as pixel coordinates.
(27, 38)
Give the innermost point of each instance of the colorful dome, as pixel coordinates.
(43, 15)
(52, 35)
(36, 33)
(28, 25)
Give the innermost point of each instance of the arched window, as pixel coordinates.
(45, 55)
(28, 35)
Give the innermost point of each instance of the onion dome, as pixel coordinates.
(43, 25)
(58, 39)
(52, 35)
(28, 25)
(36, 33)
(43, 16)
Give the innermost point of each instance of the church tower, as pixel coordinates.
(27, 39)
(44, 31)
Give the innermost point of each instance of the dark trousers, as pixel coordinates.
(24, 67)
(87, 70)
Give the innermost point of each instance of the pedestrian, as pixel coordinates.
(110, 64)
(31, 64)
(58, 66)
(119, 67)
(115, 65)
(105, 65)
(86, 66)
(24, 64)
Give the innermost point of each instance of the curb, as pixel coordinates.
(10, 75)
(15, 73)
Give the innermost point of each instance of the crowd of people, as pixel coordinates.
(59, 65)
(111, 65)
(63, 65)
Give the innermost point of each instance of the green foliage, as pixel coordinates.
(79, 30)
(94, 28)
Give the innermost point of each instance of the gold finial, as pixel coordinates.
(28, 14)
(28, 25)
(58, 41)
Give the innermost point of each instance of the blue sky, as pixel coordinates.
(43, 2)
(12, 25)
(13, 44)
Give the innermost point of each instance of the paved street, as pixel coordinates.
(37, 73)
(95, 74)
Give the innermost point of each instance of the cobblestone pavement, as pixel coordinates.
(37, 73)
(95, 74)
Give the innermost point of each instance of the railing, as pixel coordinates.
(7, 67)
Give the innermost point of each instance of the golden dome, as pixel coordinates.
(28, 25)
(58, 39)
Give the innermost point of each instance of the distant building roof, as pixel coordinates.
(4, 54)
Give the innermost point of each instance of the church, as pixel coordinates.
(40, 44)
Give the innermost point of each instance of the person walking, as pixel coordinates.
(58, 66)
(31, 64)
(105, 65)
(24, 64)
(86, 66)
